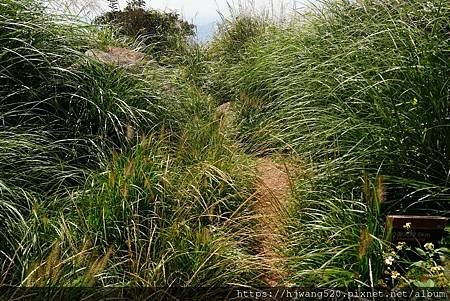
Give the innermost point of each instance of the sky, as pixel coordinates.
(206, 11)
(200, 12)
(203, 13)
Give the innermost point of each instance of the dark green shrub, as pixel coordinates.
(165, 34)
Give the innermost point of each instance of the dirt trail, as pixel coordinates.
(272, 194)
(273, 188)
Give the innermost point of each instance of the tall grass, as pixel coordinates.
(157, 221)
(227, 49)
(111, 175)
(357, 88)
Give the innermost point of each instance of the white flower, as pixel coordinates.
(389, 260)
(407, 226)
(401, 245)
(436, 269)
(395, 274)
(429, 246)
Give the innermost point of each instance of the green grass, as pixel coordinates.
(112, 176)
(354, 88)
(163, 222)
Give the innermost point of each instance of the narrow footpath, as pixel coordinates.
(273, 189)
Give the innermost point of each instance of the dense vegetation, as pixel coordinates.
(114, 176)
(163, 33)
(111, 175)
(360, 91)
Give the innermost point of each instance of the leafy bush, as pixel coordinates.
(427, 269)
(165, 34)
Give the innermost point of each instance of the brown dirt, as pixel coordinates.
(273, 188)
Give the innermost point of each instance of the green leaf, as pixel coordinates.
(428, 283)
(420, 263)
(443, 250)
(421, 252)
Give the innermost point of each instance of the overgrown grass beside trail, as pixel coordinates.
(147, 220)
(71, 95)
(127, 176)
(227, 50)
(111, 175)
(360, 90)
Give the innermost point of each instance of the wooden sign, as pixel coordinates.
(414, 230)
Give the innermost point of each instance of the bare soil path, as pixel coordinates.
(273, 189)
